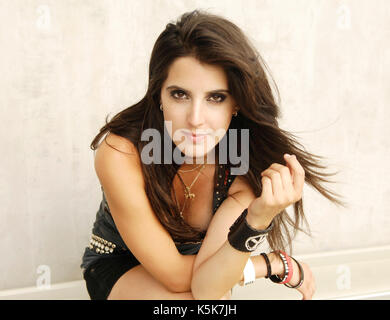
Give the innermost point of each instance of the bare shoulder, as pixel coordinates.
(120, 143)
(116, 147)
(117, 154)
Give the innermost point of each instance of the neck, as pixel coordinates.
(194, 162)
(186, 166)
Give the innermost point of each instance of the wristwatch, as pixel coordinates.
(245, 238)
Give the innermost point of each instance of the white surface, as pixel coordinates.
(364, 280)
(338, 274)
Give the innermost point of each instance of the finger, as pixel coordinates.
(286, 174)
(277, 185)
(298, 173)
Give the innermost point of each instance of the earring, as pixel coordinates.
(161, 107)
(235, 113)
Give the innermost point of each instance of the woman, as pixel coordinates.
(185, 229)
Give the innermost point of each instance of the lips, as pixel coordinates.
(198, 135)
(195, 138)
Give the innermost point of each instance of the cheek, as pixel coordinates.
(175, 117)
(172, 122)
(221, 122)
(220, 127)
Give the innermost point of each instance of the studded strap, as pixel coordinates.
(224, 181)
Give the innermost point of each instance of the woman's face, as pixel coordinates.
(195, 99)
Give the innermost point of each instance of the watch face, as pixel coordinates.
(253, 242)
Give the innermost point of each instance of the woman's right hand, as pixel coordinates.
(282, 186)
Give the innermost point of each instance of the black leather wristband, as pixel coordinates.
(245, 238)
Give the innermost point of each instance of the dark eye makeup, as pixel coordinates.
(217, 97)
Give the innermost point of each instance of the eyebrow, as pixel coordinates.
(209, 92)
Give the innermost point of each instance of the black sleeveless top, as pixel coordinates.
(104, 225)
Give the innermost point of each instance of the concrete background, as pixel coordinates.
(65, 65)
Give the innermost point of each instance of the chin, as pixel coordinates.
(199, 154)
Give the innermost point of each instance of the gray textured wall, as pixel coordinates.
(66, 64)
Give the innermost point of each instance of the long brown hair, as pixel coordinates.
(214, 40)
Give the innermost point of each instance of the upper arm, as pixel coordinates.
(121, 178)
(239, 197)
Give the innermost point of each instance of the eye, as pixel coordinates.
(180, 94)
(177, 94)
(219, 98)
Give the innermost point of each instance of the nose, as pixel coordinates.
(196, 115)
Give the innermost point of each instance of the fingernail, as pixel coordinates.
(287, 155)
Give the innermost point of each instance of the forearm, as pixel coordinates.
(183, 283)
(229, 272)
(221, 271)
(182, 278)
(261, 266)
(218, 274)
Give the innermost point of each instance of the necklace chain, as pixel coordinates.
(187, 190)
(191, 169)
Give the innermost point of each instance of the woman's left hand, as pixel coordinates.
(307, 288)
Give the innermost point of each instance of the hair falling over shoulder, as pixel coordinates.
(214, 40)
